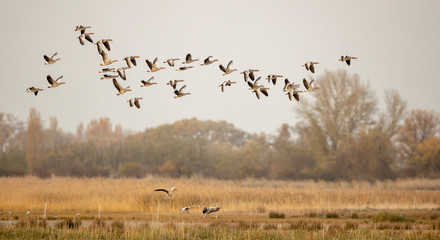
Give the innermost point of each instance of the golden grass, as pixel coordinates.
(243, 197)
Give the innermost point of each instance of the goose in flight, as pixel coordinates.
(173, 83)
(152, 65)
(81, 28)
(209, 210)
(187, 208)
(171, 61)
(168, 192)
(289, 86)
(228, 69)
(184, 68)
(309, 85)
(310, 66)
(103, 43)
(50, 60)
(189, 59)
(135, 102)
(179, 93)
(85, 36)
(148, 82)
(119, 88)
(293, 93)
(131, 60)
(347, 59)
(108, 76)
(208, 61)
(104, 70)
(226, 83)
(54, 83)
(273, 78)
(105, 59)
(34, 90)
(254, 85)
(121, 72)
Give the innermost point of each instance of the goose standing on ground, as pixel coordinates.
(208, 61)
(119, 88)
(189, 59)
(184, 68)
(228, 69)
(173, 83)
(131, 60)
(81, 28)
(34, 90)
(310, 66)
(134, 101)
(179, 93)
(310, 87)
(121, 72)
(273, 78)
(187, 208)
(54, 83)
(152, 65)
(226, 83)
(148, 82)
(105, 59)
(168, 192)
(171, 61)
(51, 60)
(347, 59)
(209, 210)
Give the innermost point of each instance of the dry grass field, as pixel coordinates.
(250, 209)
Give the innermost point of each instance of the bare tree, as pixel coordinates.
(10, 127)
(34, 139)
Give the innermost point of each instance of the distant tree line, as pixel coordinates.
(342, 134)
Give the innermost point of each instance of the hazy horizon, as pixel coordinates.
(396, 43)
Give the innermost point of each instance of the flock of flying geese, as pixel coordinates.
(186, 209)
(291, 89)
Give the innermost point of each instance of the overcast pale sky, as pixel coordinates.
(397, 42)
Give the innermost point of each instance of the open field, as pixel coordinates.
(404, 209)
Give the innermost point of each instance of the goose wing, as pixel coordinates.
(106, 43)
(230, 65)
(121, 73)
(133, 60)
(251, 75)
(290, 95)
(50, 79)
(150, 64)
(54, 55)
(348, 61)
(306, 84)
(222, 68)
(296, 95)
(136, 102)
(251, 84)
(188, 57)
(155, 61)
(104, 56)
(207, 60)
(130, 102)
(143, 82)
(257, 93)
(162, 190)
(117, 86)
(312, 68)
(181, 89)
(46, 58)
(81, 39)
(88, 38)
(264, 91)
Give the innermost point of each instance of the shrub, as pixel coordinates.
(69, 223)
(390, 217)
(332, 215)
(354, 216)
(276, 215)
